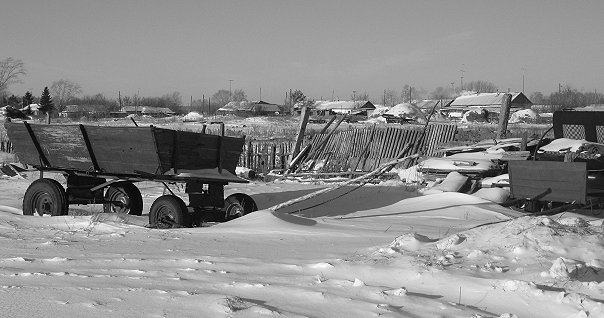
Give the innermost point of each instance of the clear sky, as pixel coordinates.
(321, 47)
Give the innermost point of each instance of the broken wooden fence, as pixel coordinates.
(265, 155)
(365, 149)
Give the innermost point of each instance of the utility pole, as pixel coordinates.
(461, 79)
(354, 96)
(230, 96)
(523, 69)
(137, 99)
(260, 94)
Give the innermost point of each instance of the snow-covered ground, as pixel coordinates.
(378, 251)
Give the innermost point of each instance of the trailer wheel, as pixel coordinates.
(238, 205)
(129, 196)
(169, 211)
(45, 196)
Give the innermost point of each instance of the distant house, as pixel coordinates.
(247, 108)
(35, 108)
(132, 110)
(144, 110)
(427, 105)
(488, 103)
(344, 107)
(74, 111)
(157, 111)
(592, 108)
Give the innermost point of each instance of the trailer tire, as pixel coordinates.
(45, 196)
(169, 211)
(238, 205)
(128, 194)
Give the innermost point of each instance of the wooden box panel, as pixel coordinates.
(567, 180)
(63, 146)
(122, 150)
(196, 151)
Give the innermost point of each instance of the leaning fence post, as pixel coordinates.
(303, 122)
(504, 116)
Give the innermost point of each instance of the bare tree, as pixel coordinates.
(480, 86)
(221, 97)
(10, 71)
(390, 98)
(360, 97)
(442, 93)
(239, 95)
(63, 91)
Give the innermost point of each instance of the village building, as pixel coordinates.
(76, 111)
(34, 108)
(427, 105)
(363, 108)
(250, 108)
(143, 111)
(488, 104)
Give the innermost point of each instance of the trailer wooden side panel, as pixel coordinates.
(124, 150)
(62, 146)
(567, 180)
(195, 151)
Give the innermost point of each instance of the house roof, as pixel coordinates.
(489, 99)
(157, 110)
(147, 110)
(84, 108)
(344, 105)
(592, 107)
(405, 109)
(33, 107)
(247, 106)
(131, 109)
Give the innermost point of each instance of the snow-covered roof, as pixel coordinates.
(405, 109)
(523, 115)
(344, 105)
(489, 99)
(147, 109)
(33, 107)
(157, 110)
(592, 108)
(250, 106)
(83, 108)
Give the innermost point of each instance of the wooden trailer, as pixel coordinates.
(102, 165)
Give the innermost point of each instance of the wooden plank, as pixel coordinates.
(399, 141)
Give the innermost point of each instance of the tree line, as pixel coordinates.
(65, 92)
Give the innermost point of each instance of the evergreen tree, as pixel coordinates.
(13, 101)
(46, 105)
(28, 99)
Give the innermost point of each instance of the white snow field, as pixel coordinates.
(379, 251)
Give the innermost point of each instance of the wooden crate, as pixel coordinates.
(567, 180)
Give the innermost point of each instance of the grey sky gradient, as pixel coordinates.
(320, 47)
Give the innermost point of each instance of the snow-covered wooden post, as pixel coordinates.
(504, 115)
